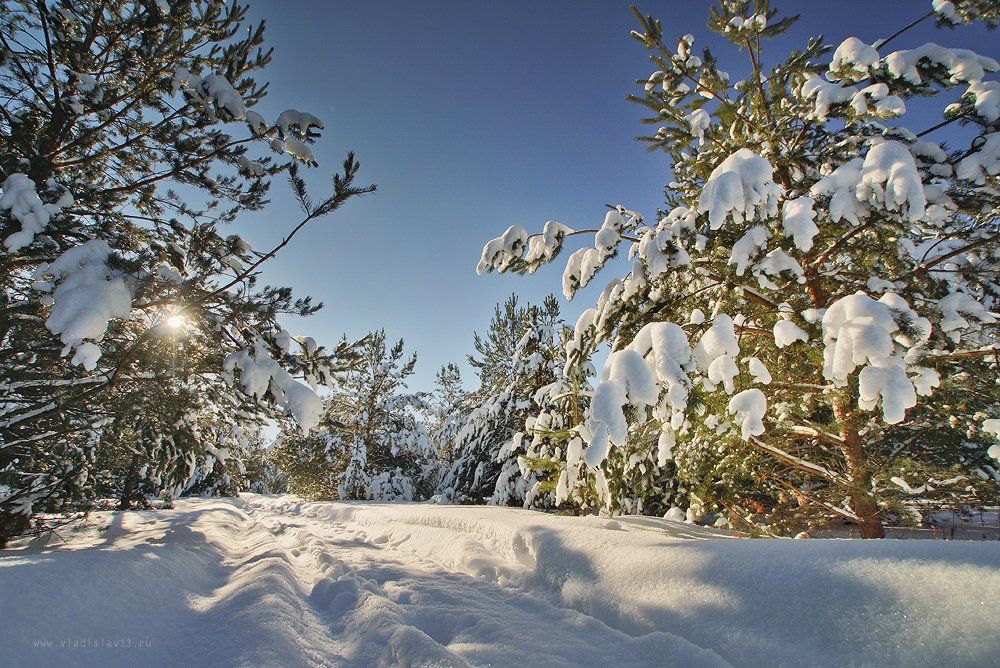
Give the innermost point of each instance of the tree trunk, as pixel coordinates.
(133, 472)
(862, 501)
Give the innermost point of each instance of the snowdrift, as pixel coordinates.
(273, 580)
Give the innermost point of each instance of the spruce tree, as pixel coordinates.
(805, 332)
(128, 143)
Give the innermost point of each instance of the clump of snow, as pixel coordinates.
(945, 9)
(749, 407)
(698, 121)
(955, 306)
(584, 263)
(88, 296)
(718, 340)
(299, 121)
(22, 200)
(256, 123)
(759, 371)
(260, 375)
(797, 216)
(543, 247)
(501, 252)
(747, 247)
(983, 162)
(670, 354)
(960, 64)
(625, 379)
(741, 187)
(723, 370)
(985, 99)
(774, 264)
(889, 179)
(249, 167)
(859, 330)
(787, 332)
(992, 426)
(853, 59)
(299, 150)
(841, 185)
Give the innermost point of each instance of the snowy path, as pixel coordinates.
(273, 581)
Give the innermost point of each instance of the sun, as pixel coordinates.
(175, 321)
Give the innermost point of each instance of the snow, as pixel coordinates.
(825, 94)
(256, 123)
(723, 370)
(276, 581)
(743, 187)
(859, 330)
(260, 374)
(952, 308)
(698, 121)
(300, 121)
(787, 332)
(299, 150)
(886, 381)
(961, 64)
(842, 186)
(889, 178)
(21, 199)
(543, 247)
(748, 246)
(625, 379)
(985, 161)
(219, 90)
(992, 426)
(986, 99)
(776, 263)
(749, 407)
(797, 218)
(718, 340)
(88, 296)
(759, 371)
(500, 252)
(945, 9)
(854, 55)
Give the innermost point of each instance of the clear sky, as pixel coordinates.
(472, 116)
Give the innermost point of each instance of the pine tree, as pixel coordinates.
(805, 332)
(515, 359)
(128, 141)
(448, 410)
(371, 443)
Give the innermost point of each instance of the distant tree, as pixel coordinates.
(515, 359)
(448, 409)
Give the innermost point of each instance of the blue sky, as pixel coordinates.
(472, 116)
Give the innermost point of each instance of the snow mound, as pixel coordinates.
(275, 581)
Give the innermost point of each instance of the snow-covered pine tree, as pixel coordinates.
(808, 324)
(517, 357)
(128, 141)
(448, 409)
(551, 437)
(371, 442)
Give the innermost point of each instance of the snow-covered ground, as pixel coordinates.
(275, 581)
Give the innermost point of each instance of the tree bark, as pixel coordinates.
(133, 472)
(863, 502)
